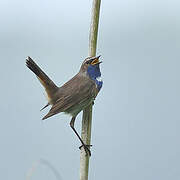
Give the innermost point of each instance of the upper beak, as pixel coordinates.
(96, 60)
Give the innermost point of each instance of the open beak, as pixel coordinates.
(96, 61)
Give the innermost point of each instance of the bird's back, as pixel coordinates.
(74, 96)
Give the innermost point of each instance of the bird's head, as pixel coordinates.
(90, 63)
(90, 67)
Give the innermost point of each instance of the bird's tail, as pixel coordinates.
(48, 84)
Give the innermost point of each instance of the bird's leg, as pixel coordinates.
(87, 150)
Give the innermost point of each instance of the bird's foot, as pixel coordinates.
(86, 148)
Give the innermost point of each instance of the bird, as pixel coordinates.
(75, 95)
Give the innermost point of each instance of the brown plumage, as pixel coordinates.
(70, 98)
(48, 84)
(74, 95)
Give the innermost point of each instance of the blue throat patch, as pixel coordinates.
(95, 74)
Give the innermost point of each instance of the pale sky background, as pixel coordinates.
(136, 117)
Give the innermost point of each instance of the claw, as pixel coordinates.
(86, 148)
(86, 145)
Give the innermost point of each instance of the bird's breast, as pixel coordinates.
(99, 82)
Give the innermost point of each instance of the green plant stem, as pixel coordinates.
(87, 113)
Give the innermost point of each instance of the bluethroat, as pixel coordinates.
(74, 95)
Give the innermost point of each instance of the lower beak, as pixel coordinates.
(99, 62)
(96, 61)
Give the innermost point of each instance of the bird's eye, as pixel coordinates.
(87, 62)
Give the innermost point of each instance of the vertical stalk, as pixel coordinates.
(87, 113)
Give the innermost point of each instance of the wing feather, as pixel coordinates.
(77, 92)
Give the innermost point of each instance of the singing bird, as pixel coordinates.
(74, 95)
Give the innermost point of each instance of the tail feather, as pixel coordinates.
(48, 84)
(45, 106)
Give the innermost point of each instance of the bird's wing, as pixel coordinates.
(76, 91)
